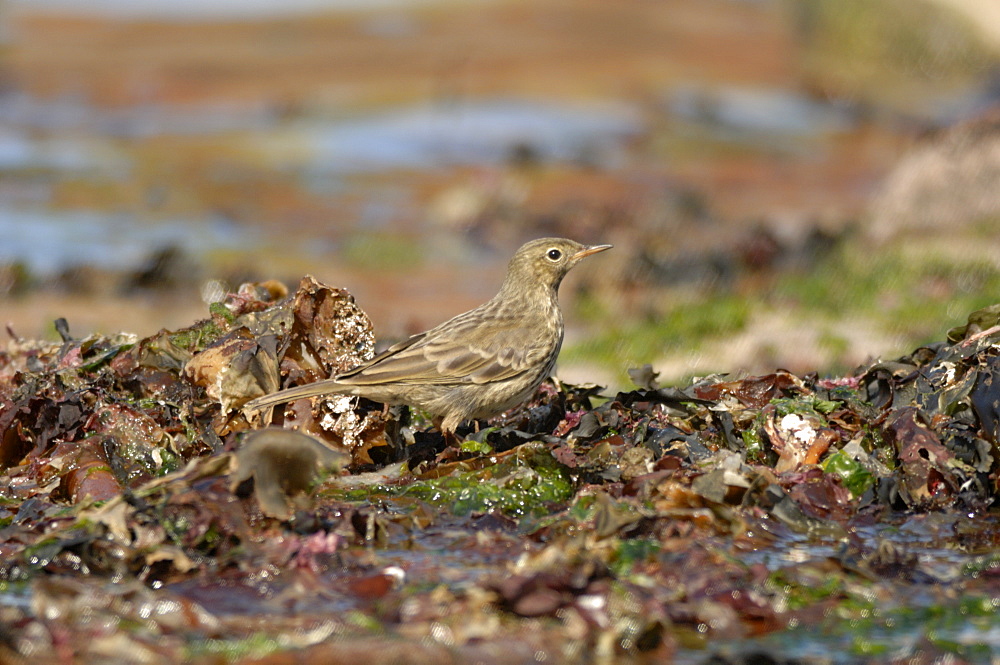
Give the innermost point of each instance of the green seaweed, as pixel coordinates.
(852, 474)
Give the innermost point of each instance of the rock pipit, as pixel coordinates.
(479, 363)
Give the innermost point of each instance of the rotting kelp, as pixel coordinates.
(145, 520)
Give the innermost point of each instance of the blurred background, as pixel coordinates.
(802, 184)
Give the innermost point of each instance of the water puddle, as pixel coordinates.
(469, 133)
(47, 242)
(70, 117)
(759, 110)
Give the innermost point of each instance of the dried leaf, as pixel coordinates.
(235, 369)
(755, 391)
(283, 465)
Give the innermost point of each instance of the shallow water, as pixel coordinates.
(45, 143)
(48, 241)
(487, 132)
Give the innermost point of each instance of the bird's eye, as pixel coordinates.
(554, 254)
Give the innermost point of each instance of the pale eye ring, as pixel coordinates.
(554, 254)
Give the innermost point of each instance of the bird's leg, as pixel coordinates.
(451, 440)
(452, 448)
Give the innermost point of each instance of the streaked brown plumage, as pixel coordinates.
(479, 363)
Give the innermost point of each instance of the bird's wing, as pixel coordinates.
(461, 350)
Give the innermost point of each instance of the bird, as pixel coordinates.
(477, 364)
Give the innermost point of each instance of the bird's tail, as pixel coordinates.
(326, 387)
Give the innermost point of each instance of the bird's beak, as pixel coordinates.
(587, 251)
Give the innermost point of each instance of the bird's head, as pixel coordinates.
(544, 262)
